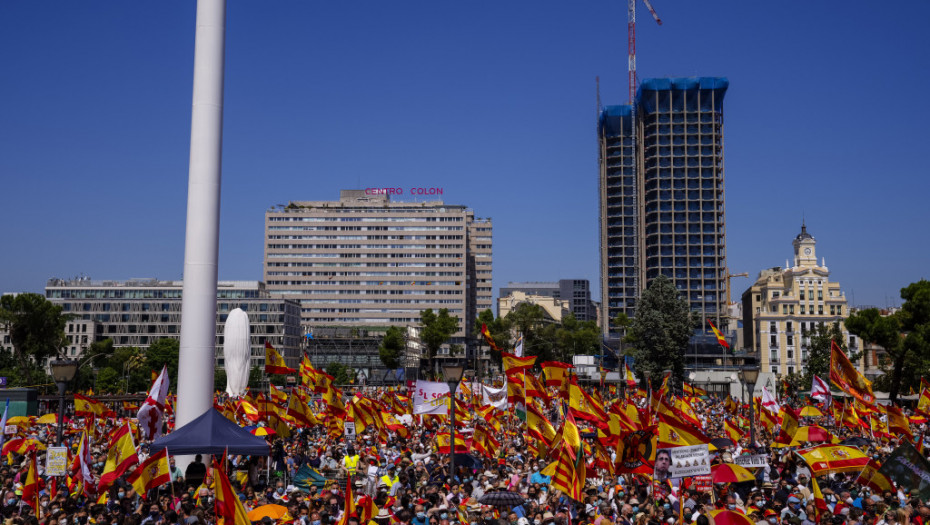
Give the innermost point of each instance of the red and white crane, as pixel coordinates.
(631, 41)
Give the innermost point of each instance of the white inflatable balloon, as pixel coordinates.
(237, 352)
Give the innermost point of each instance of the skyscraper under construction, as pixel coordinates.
(662, 195)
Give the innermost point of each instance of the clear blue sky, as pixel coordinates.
(826, 117)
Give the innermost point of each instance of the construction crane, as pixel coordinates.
(730, 276)
(631, 41)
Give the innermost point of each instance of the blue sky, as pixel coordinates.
(825, 118)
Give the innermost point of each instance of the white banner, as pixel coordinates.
(751, 460)
(430, 397)
(686, 461)
(496, 397)
(56, 461)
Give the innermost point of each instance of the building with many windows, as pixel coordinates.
(140, 311)
(367, 262)
(662, 196)
(785, 304)
(575, 292)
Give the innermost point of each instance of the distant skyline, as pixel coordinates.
(494, 103)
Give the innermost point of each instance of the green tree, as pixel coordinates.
(219, 379)
(660, 331)
(37, 332)
(392, 347)
(577, 338)
(109, 381)
(342, 374)
(436, 329)
(164, 352)
(499, 328)
(538, 330)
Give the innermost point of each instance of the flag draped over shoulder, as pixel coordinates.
(226, 505)
(844, 375)
(153, 472)
(274, 363)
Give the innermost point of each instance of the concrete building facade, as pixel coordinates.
(365, 261)
(662, 196)
(554, 307)
(785, 304)
(138, 312)
(575, 292)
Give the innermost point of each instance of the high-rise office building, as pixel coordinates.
(365, 261)
(662, 195)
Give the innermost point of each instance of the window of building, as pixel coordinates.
(791, 309)
(790, 354)
(776, 295)
(773, 327)
(790, 340)
(802, 309)
(832, 309)
(790, 369)
(820, 295)
(774, 369)
(819, 309)
(773, 341)
(801, 294)
(788, 326)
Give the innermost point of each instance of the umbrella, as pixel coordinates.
(814, 434)
(730, 473)
(22, 421)
(811, 411)
(271, 511)
(262, 431)
(730, 517)
(855, 441)
(722, 442)
(501, 498)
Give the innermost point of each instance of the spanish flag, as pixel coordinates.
(923, 404)
(844, 375)
(85, 406)
(278, 396)
(733, 432)
(555, 372)
(301, 413)
(488, 339)
(789, 425)
(538, 426)
(31, 485)
(568, 473)
(227, 507)
(274, 363)
(152, 473)
(720, 339)
(513, 363)
(898, 423)
(825, 459)
(875, 480)
(120, 457)
(442, 443)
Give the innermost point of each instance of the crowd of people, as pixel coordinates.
(403, 478)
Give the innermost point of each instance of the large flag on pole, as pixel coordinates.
(844, 375)
(720, 339)
(152, 473)
(274, 363)
(152, 412)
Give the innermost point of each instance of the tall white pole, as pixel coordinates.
(198, 304)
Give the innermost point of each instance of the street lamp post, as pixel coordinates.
(63, 371)
(749, 374)
(453, 375)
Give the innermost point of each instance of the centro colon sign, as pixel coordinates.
(400, 191)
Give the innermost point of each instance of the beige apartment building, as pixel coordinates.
(365, 261)
(784, 304)
(554, 307)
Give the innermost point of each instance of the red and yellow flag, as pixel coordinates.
(442, 443)
(120, 457)
(86, 406)
(568, 472)
(825, 459)
(555, 372)
(274, 363)
(513, 363)
(152, 473)
(844, 375)
(488, 339)
(538, 426)
(227, 507)
(720, 339)
(733, 432)
(875, 480)
(31, 485)
(789, 425)
(897, 422)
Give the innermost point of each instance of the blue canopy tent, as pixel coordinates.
(211, 433)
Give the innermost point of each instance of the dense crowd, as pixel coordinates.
(409, 482)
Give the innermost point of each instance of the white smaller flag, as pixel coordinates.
(820, 390)
(152, 413)
(496, 397)
(518, 347)
(769, 402)
(431, 397)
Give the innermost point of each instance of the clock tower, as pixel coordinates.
(805, 254)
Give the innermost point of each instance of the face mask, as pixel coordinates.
(773, 520)
(44, 504)
(120, 495)
(537, 522)
(666, 506)
(731, 506)
(444, 516)
(11, 501)
(280, 490)
(421, 515)
(315, 522)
